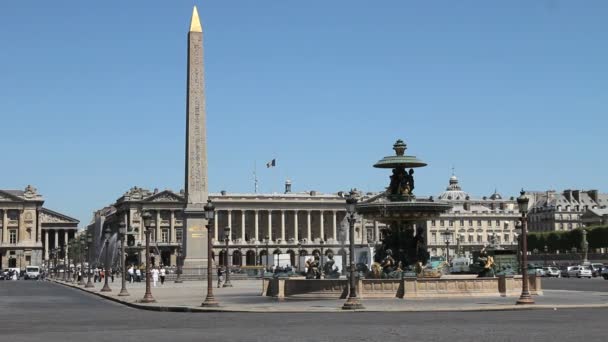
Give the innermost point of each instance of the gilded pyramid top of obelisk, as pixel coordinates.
(195, 23)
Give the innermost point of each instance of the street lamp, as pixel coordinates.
(227, 238)
(299, 255)
(83, 243)
(322, 242)
(267, 241)
(585, 246)
(106, 286)
(546, 248)
(122, 234)
(147, 218)
(210, 216)
(66, 266)
(447, 235)
(352, 303)
(522, 203)
(88, 249)
(179, 260)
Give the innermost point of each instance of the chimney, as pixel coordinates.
(467, 206)
(568, 195)
(223, 192)
(577, 195)
(287, 186)
(593, 194)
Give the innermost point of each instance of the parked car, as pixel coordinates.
(538, 271)
(596, 269)
(564, 271)
(605, 273)
(552, 272)
(580, 272)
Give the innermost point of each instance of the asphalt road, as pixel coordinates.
(574, 284)
(42, 311)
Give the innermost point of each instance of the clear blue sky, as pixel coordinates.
(512, 93)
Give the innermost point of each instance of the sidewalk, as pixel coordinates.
(245, 297)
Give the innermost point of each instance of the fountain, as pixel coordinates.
(404, 243)
(404, 246)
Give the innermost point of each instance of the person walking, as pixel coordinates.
(138, 274)
(155, 275)
(163, 273)
(131, 274)
(220, 276)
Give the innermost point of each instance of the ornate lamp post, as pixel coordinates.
(210, 216)
(83, 243)
(322, 242)
(227, 238)
(352, 303)
(546, 251)
(299, 255)
(147, 218)
(66, 266)
(122, 234)
(522, 203)
(106, 286)
(447, 235)
(180, 261)
(267, 241)
(585, 246)
(88, 249)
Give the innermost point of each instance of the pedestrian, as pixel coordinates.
(155, 275)
(96, 275)
(131, 274)
(138, 274)
(220, 275)
(112, 271)
(163, 273)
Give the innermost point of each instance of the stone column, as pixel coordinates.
(334, 229)
(257, 232)
(65, 241)
(46, 245)
(5, 226)
(270, 225)
(322, 228)
(283, 226)
(56, 238)
(377, 232)
(158, 237)
(363, 231)
(215, 225)
(243, 225)
(172, 228)
(295, 223)
(229, 213)
(308, 228)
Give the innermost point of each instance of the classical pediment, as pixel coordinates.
(8, 197)
(165, 196)
(49, 216)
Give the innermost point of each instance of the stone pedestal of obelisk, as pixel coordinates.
(195, 235)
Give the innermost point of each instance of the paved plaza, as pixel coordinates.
(37, 311)
(245, 296)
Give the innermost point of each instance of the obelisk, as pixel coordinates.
(195, 236)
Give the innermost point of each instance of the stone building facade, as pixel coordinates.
(29, 231)
(553, 211)
(472, 223)
(288, 223)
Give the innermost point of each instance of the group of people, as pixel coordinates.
(158, 273)
(99, 274)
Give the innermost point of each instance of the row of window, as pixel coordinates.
(478, 222)
(165, 236)
(471, 238)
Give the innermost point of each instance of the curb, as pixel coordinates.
(191, 309)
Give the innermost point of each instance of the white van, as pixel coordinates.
(460, 265)
(32, 272)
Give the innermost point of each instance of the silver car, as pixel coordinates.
(552, 272)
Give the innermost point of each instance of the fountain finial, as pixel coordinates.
(399, 147)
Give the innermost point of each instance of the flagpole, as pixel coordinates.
(255, 178)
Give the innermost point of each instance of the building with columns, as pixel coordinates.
(29, 231)
(288, 223)
(472, 223)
